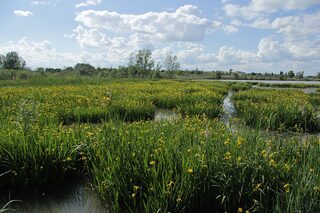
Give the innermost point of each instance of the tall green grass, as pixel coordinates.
(198, 165)
(276, 110)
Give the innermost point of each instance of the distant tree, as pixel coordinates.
(158, 67)
(217, 75)
(144, 62)
(230, 71)
(141, 63)
(40, 69)
(318, 75)
(85, 69)
(12, 60)
(281, 75)
(133, 70)
(68, 69)
(2, 58)
(291, 74)
(300, 74)
(171, 63)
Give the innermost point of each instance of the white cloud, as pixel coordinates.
(88, 3)
(228, 29)
(185, 24)
(22, 13)
(298, 27)
(39, 53)
(231, 55)
(90, 38)
(270, 50)
(39, 3)
(260, 7)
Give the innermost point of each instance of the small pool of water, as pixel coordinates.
(228, 109)
(165, 115)
(273, 81)
(307, 90)
(62, 198)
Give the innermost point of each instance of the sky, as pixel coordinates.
(245, 35)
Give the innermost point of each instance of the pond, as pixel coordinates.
(165, 115)
(228, 109)
(62, 198)
(274, 81)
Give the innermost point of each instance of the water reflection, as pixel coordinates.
(165, 115)
(228, 109)
(62, 198)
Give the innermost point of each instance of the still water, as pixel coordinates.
(274, 81)
(62, 198)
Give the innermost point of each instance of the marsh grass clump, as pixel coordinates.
(106, 133)
(40, 157)
(276, 110)
(198, 165)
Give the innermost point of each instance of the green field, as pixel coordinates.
(105, 131)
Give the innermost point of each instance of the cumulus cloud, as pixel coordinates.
(271, 50)
(228, 29)
(298, 27)
(290, 27)
(24, 13)
(231, 55)
(39, 3)
(88, 3)
(185, 24)
(259, 7)
(39, 53)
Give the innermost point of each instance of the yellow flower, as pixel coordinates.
(227, 141)
(257, 187)
(240, 141)
(286, 187)
(239, 158)
(179, 200)
(287, 167)
(170, 184)
(68, 159)
(240, 210)
(136, 188)
(190, 171)
(152, 163)
(133, 195)
(272, 163)
(227, 156)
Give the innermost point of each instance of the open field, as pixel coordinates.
(106, 132)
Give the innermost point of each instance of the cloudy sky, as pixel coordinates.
(247, 35)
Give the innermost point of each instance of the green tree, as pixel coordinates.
(85, 69)
(1, 60)
(171, 63)
(141, 63)
(291, 74)
(300, 74)
(12, 60)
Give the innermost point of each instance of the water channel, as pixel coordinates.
(63, 198)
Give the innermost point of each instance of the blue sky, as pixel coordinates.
(246, 35)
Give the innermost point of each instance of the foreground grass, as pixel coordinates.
(190, 164)
(279, 110)
(193, 164)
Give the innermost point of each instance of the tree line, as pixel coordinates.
(140, 65)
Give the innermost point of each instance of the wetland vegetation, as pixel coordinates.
(105, 131)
